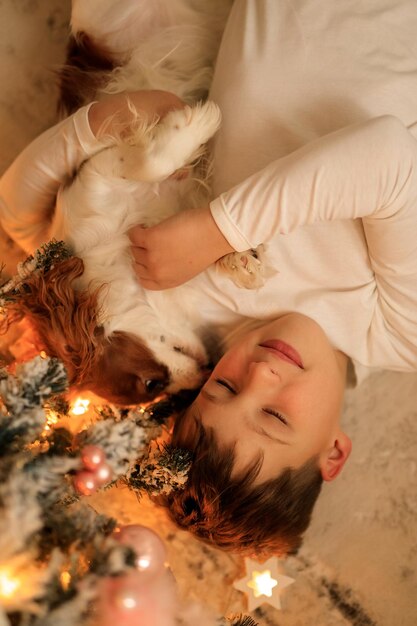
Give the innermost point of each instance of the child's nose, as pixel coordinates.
(261, 374)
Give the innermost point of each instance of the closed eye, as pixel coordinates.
(223, 383)
(276, 414)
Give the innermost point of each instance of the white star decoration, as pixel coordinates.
(263, 583)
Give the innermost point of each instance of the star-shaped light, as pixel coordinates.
(263, 582)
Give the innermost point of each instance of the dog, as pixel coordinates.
(115, 339)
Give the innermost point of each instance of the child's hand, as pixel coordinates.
(177, 249)
(152, 104)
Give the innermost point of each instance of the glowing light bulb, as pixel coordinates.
(52, 418)
(8, 585)
(262, 583)
(80, 406)
(65, 580)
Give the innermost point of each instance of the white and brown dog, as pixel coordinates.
(123, 343)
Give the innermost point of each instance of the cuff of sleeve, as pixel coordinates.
(88, 141)
(227, 227)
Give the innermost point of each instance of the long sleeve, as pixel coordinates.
(363, 171)
(366, 171)
(29, 187)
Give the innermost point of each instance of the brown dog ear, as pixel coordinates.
(64, 318)
(86, 69)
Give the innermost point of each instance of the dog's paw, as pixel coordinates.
(246, 269)
(173, 143)
(197, 124)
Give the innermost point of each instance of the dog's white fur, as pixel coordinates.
(168, 45)
(94, 214)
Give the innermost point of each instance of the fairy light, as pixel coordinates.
(8, 585)
(52, 418)
(65, 579)
(262, 583)
(80, 406)
(21, 581)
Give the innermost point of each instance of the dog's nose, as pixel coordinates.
(154, 386)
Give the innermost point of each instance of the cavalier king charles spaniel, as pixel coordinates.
(123, 343)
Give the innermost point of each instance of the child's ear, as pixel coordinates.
(334, 458)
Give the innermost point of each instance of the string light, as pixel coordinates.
(80, 406)
(8, 585)
(65, 580)
(21, 581)
(52, 418)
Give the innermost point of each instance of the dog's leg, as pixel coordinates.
(170, 145)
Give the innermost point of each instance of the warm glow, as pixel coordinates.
(51, 419)
(262, 583)
(65, 579)
(80, 406)
(43, 354)
(8, 585)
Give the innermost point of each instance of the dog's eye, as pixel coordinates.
(152, 385)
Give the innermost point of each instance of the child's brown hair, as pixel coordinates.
(232, 513)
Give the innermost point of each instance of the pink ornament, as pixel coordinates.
(92, 457)
(85, 483)
(149, 548)
(103, 474)
(130, 601)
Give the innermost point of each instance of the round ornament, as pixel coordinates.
(85, 483)
(149, 548)
(92, 457)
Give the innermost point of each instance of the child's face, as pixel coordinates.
(285, 404)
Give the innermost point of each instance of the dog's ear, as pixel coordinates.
(85, 70)
(64, 318)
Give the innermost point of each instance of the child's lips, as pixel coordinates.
(283, 351)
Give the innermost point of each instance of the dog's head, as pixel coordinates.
(121, 367)
(122, 370)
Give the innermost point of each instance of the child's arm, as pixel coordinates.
(366, 171)
(29, 187)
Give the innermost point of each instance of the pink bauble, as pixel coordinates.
(85, 483)
(149, 548)
(128, 600)
(103, 474)
(92, 457)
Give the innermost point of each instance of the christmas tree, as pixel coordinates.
(61, 563)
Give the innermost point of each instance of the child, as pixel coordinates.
(339, 217)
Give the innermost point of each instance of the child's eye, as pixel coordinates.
(275, 414)
(224, 383)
